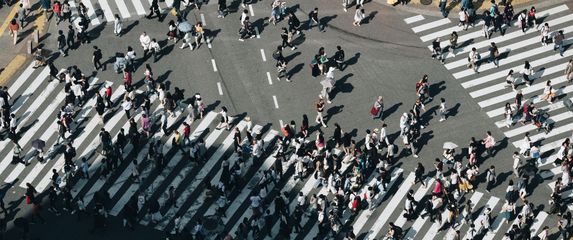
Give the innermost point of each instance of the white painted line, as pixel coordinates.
(138, 7)
(269, 78)
(517, 68)
(417, 196)
(22, 79)
(520, 56)
(478, 33)
(414, 19)
(251, 10)
(539, 219)
(91, 12)
(530, 127)
(554, 132)
(28, 92)
(281, 123)
(547, 108)
(276, 102)
(257, 32)
(219, 88)
(203, 19)
(431, 25)
(263, 54)
(390, 207)
(214, 65)
(431, 233)
(477, 223)
(107, 12)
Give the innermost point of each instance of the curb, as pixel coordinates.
(12, 67)
(432, 10)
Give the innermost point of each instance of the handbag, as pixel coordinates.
(374, 111)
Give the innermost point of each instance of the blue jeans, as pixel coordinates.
(443, 9)
(560, 47)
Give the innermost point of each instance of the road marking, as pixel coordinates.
(281, 123)
(12, 68)
(537, 224)
(122, 8)
(8, 19)
(203, 19)
(251, 10)
(214, 65)
(208, 40)
(220, 88)
(431, 25)
(269, 78)
(276, 102)
(414, 19)
(138, 7)
(263, 55)
(257, 32)
(107, 12)
(91, 11)
(477, 223)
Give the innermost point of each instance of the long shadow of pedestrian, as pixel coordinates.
(163, 77)
(391, 110)
(370, 17)
(130, 27)
(437, 88)
(294, 70)
(299, 40)
(332, 111)
(289, 58)
(342, 86)
(24, 34)
(164, 51)
(351, 61)
(44, 37)
(212, 106)
(260, 24)
(211, 34)
(453, 111)
(503, 143)
(424, 139)
(96, 31)
(25, 128)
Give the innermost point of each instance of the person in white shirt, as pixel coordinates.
(473, 58)
(127, 105)
(545, 30)
(442, 110)
(145, 41)
(155, 49)
(117, 25)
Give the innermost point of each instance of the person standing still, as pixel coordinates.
(96, 58)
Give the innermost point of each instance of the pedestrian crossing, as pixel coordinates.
(488, 88)
(100, 11)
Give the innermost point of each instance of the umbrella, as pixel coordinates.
(450, 145)
(38, 144)
(184, 27)
(327, 82)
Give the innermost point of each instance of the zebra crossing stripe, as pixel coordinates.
(138, 7)
(530, 127)
(22, 79)
(365, 215)
(213, 160)
(534, 99)
(88, 152)
(477, 223)
(548, 108)
(91, 12)
(430, 25)
(393, 204)
(541, 216)
(122, 8)
(478, 33)
(414, 19)
(107, 12)
(554, 132)
(201, 128)
(29, 91)
(436, 226)
(417, 196)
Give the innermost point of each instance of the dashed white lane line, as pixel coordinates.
(203, 19)
(269, 78)
(251, 10)
(257, 32)
(263, 55)
(220, 88)
(214, 65)
(276, 101)
(281, 123)
(208, 40)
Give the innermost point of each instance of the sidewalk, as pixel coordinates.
(13, 56)
(415, 6)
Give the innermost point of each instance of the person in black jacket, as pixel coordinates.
(339, 58)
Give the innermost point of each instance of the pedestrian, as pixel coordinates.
(70, 39)
(155, 49)
(443, 10)
(564, 224)
(494, 54)
(14, 27)
(490, 178)
(313, 18)
(30, 193)
(293, 23)
(419, 174)
(489, 143)
(377, 110)
(569, 71)
(473, 59)
(199, 35)
(145, 41)
(339, 58)
(282, 70)
(22, 15)
(442, 110)
(172, 199)
(13, 125)
(221, 8)
(464, 18)
(453, 41)
(154, 9)
(57, 9)
(531, 19)
(127, 105)
(96, 58)
(118, 24)
(286, 37)
(558, 42)
(187, 40)
(320, 104)
(224, 122)
(358, 16)
(545, 30)
(16, 153)
(527, 73)
(437, 51)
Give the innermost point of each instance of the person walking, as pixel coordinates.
(286, 38)
(494, 54)
(118, 24)
(313, 19)
(527, 73)
(145, 41)
(154, 9)
(358, 16)
(473, 59)
(442, 7)
(96, 58)
(319, 112)
(490, 178)
(442, 110)
(17, 153)
(558, 42)
(419, 174)
(544, 31)
(155, 49)
(13, 125)
(339, 58)
(569, 71)
(377, 110)
(22, 15)
(437, 51)
(14, 27)
(127, 105)
(489, 143)
(70, 38)
(453, 41)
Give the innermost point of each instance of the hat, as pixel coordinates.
(376, 130)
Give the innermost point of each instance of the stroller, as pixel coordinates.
(541, 121)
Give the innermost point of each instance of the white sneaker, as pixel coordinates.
(441, 120)
(242, 40)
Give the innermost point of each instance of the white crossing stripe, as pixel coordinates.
(530, 127)
(417, 196)
(534, 99)
(414, 19)
(122, 8)
(107, 12)
(138, 7)
(94, 20)
(477, 223)
(431, 25)
(15, 86)
(548, 108)
(541, 216)
(28, 93)
(554, 132)
(393, 204)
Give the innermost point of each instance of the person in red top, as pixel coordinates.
(186, 131)
(57, 8)
(14, 28)
(127, 79)
(108, 96)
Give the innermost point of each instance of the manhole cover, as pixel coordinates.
(426, 2)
